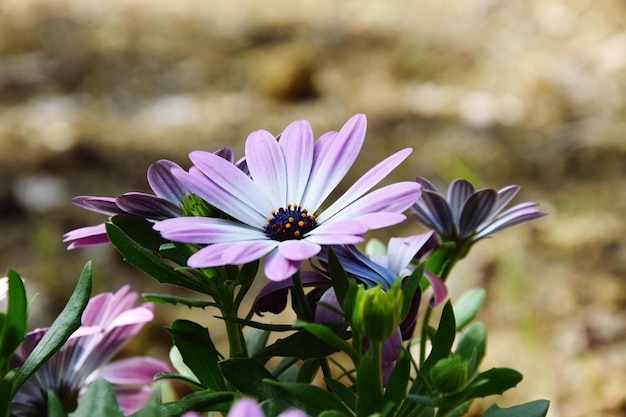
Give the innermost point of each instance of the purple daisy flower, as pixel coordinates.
(276, 211)
(247, 407)
(108, 321)
(165, 204)
(371, 270)
(468, 215)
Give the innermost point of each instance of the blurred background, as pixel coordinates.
(531, 92)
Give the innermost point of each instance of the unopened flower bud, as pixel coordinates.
(195, 206)
(377, 313)
(449, 375)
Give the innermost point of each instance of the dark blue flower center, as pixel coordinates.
(294, 222)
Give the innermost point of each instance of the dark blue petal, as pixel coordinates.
(434, 212)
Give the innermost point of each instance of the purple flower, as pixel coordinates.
(108, 321)
(383, 269)
(164, 204)
(247, 407)
(276, 211)
(469, 215)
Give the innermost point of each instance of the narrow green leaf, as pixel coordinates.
(65, 324)
(198, 352)
(146, 261)
(467, 306)
(248, 376)
(14, 327)
(443, 340)
(338, 277)
(201, 401)
(185, 380)
(344, 393)
(98, 401)
(330, 333)
(411, 285)
(538, 408)
(310, 398)
(172, 299)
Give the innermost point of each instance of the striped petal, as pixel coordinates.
(164, 183)
(266, 163)
(298, 148)
(334, 156)
(206, 230)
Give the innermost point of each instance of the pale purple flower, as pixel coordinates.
(247, 407)
(165, 203)
(108, 321)
(374, 269)
(276, 211)
(468, 215)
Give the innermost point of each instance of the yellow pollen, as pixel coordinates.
(288, 225)
(296, 233)
(300, 223)
(291, 220)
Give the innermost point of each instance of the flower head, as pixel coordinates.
(469, 215)
(108, 321)
(276, 210)
(170, 199)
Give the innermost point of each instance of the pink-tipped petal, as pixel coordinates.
(206, 230)
(440, 291)
(298, 250)
(243, 252)
(278, 268)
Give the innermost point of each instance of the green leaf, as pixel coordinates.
(198, 352)
(333, 413)
(185, 380)
(314, 341)
(248, 376)
(338, 277)
(55, 408)
(172, 299)
(344, 393)
(98, 401)
(472, 346)
(491, 382)
(332, 334)
(467, 306)
(201, 401)
(14, 326)
(443, 340)
(538, 408)
(310, 398)
(410, 286)
(146, 261)
(65, 324)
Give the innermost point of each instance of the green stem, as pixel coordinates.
(236, 341)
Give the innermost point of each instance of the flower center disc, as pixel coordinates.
(291, 223)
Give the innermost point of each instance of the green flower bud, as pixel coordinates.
(195, 206)
(449, 375)
(377, 313)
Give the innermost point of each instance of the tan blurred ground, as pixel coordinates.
(520, 91)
